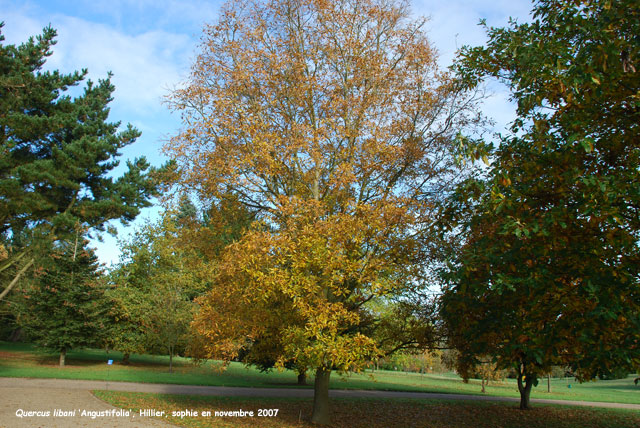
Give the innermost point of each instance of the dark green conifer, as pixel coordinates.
(57, 156)
(66, 307)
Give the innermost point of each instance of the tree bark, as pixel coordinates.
(524, 386)
(125, 358)
(16, 335)
(320, 413)
(302, 377)
(63, 356)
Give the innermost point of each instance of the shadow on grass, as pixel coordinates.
(372, 413)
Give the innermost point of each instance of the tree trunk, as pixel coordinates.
(16, 335)
(302, 377)
(483, 384)
(171, 361)
(63, 356)
(320, 413)
(525, 391)
(125, 358)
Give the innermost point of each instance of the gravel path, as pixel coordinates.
(50, 394)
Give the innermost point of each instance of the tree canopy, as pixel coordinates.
(549, 267)
(331, 121)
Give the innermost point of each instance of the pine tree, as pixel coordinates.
(57, 154)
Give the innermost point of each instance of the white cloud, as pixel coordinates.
(454, 23)
(145, 65)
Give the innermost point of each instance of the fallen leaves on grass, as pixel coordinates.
(369, 413)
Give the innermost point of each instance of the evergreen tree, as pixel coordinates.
(57, 154)
(66, 308)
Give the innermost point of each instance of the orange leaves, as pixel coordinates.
(330, 120)
(324, 100)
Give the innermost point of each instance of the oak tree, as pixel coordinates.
(331, 121)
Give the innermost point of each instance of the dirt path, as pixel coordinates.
(50, 394)
(19, 397)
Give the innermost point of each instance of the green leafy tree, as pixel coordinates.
(548, 273)
(154, 288)
(175, 285)
(129, 296)
(163, 267)
(66, 308)
(171, 313)
(57, 155)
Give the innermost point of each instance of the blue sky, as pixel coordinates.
(149, 45)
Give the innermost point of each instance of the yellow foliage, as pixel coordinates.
(331, 120)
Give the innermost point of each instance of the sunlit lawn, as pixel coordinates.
(21, 360)
(372, 413)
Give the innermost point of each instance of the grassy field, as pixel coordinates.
(23, 360)
(368, 413)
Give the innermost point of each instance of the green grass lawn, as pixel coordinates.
(370, 413)
(23, 360)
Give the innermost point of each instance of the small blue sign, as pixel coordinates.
(109, 362)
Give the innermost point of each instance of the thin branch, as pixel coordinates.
(16, 278)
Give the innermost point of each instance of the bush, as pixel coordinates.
(425, 362)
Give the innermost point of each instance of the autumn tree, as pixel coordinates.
(66, 307)
(487, 371)
(332, 121)
(207, 230)
(224, 220)
(57, 158)
(549, 267)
